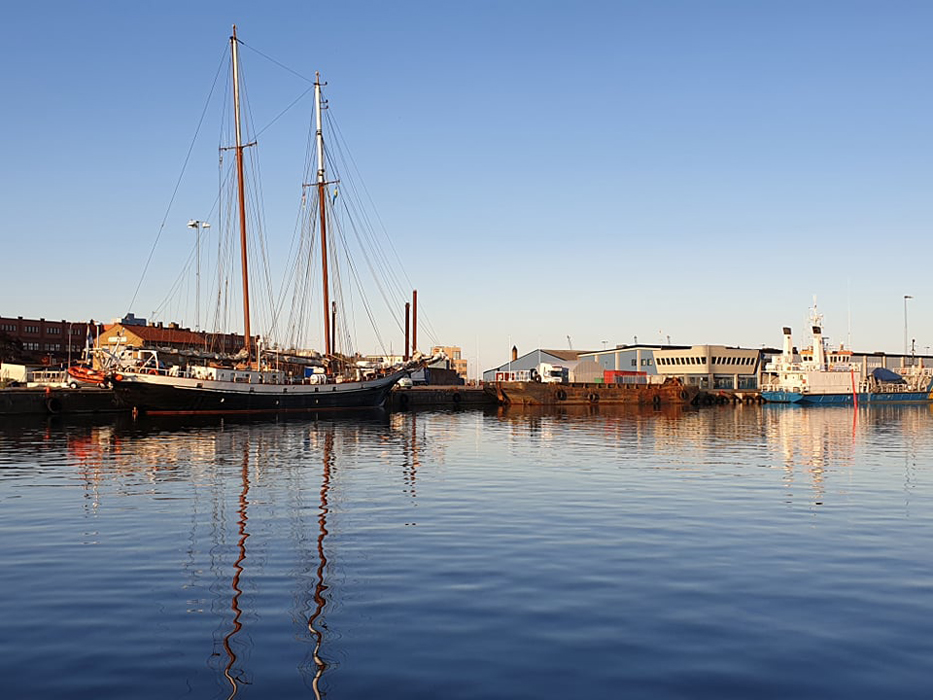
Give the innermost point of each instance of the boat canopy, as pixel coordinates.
(887, 376)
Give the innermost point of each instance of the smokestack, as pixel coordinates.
(819, 357)
(407, 328)
(414, 321)
(788, 346)
(514, 353)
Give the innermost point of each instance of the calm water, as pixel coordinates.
(750, 552)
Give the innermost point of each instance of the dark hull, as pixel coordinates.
(544, 394)
(167, 399)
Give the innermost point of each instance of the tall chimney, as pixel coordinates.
(414, 321)
(407, 328)
(819, 358)
(514, 353)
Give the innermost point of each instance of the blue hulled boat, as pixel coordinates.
(819, 376)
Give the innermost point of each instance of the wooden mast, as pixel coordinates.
(322, 203)
(247, 340)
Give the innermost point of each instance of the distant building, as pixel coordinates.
(171, 337)
(712, 367)
(566, 358)
(130, 320)
(36, 340)
(606, 365)
(454, 359)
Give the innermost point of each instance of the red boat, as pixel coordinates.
(86, 375)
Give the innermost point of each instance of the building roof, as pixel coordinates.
(166, 336)
(567, 355)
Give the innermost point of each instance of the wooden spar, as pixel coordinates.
(247, 339)
(322, 203)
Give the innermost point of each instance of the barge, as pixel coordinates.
(535, 393)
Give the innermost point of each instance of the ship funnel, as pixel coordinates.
(819, 357)
(788, 346)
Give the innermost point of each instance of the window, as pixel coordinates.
(54, 330)
(31, 329)
(634, 363)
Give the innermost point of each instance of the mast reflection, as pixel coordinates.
(316, 624)
(235, 676)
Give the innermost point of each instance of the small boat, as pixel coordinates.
(258, 381)
(82, 374)
(824, 377)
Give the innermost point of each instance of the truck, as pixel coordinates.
(542, 372)
(550, 374)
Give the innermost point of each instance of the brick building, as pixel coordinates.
(172, 336)
(34, 340)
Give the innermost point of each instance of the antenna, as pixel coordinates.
(569, 344)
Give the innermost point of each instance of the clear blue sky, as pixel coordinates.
(602, 170)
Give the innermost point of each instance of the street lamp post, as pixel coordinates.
(906, 297)
(197, 226)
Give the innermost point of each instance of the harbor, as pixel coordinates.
(468, 351)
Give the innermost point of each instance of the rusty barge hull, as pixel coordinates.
(545, 394)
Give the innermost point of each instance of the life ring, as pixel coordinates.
(560, 395)
(152, 371)
(53, 405)
(593, 397)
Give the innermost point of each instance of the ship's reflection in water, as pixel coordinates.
(316, 623)
(233, 674)
(395, 555)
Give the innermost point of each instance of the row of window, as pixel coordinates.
(648, 362)
(47, 347)
(669, 361)
(722, 382)
(49, 330)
